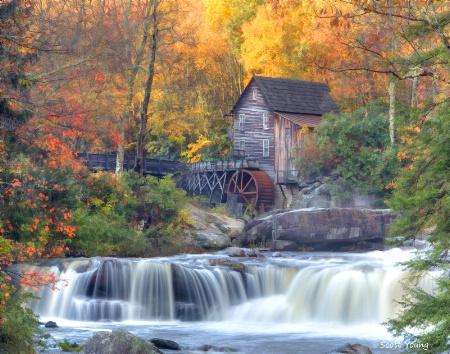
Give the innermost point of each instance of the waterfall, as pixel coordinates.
(109, 289)
(340, 288)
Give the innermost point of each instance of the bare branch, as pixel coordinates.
(61, 68)
(436, 27)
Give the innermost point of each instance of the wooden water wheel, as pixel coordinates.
(255, 187)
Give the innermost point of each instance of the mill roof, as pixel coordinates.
(294, 96)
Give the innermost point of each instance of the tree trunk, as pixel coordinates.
(415, 82)
(131, 74)
(143, 119)
(120, 152)
(392, 111)
(392, 81)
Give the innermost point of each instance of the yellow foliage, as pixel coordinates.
(274, 42)
(217, 12)
(193, 153)
(402, 155)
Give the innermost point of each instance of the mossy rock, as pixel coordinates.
(118, 342)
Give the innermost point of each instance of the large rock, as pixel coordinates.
(51, 324)
(294, 229)
(243, 252)
(118, 342)
(212, 230)
(352, 349)
(165, 344)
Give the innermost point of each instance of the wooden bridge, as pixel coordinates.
(241, 177)
(107, 162)
(213, 179)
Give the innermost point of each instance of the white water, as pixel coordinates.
(316, 298)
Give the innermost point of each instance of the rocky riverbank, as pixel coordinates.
(120, 341)
(330, 229)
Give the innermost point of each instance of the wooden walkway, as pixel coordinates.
(209, 178)
(107, 162)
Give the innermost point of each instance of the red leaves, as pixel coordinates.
(15, 182)
(100, 78)
(8, 191)
(33, 279)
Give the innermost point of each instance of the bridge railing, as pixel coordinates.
(107, 162)
(222, 165)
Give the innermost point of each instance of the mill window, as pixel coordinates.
(265, 120)
(241, 122)
(265, 147)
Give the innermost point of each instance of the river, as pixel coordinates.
(282, 303)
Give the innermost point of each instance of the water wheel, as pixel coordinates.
(254, 187)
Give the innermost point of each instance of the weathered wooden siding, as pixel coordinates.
(254, 132)
(286, 147)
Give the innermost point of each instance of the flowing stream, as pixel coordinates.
(296, 303)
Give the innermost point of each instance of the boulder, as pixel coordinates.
(352, 349)
(118, 342)
(236, 266)
(165, 344)
(213, 230)
(302, 228)
(257, 231)
(51, 324)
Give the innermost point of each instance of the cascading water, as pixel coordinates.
(310, 287)
(109, 289)
(298, 303)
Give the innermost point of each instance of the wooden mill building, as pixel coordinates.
(268, 120)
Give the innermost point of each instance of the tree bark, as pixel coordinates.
(143, 118)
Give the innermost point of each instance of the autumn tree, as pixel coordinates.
(275, 40)
(23, 197)
(200, 79)
(232, 16)
(388, 41)
(92, 87)
(73, 94)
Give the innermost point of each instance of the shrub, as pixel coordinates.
(357, 145)
(128, 216)
(66, 346)
(19, 329)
